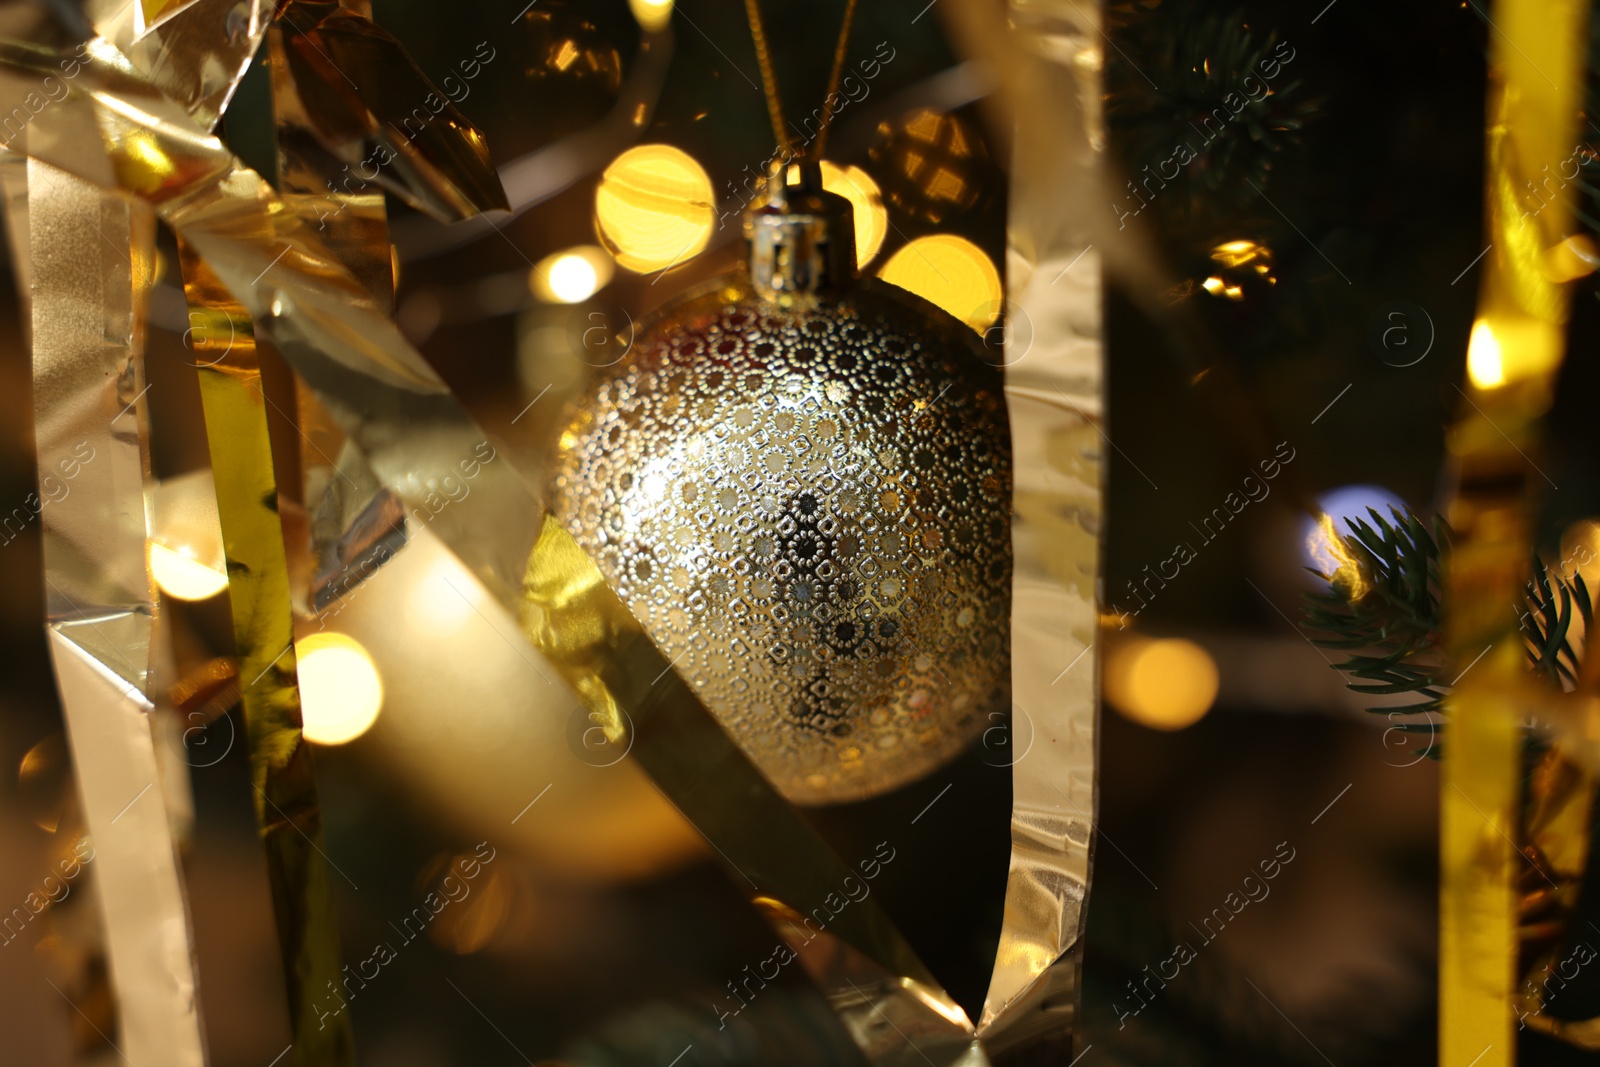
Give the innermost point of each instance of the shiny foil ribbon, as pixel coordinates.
(319, 121)
(1557, 813)
(288, 813)
(90, 255)
(86, 255)
(1534, 102)
(1047, 57)
(233, 399)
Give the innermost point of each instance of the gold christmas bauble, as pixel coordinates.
(806, 504)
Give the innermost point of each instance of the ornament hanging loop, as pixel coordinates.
(787, 149)
(802, 238)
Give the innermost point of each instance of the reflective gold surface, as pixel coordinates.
(152, 145)
(1558, 814)
(354, 92)
(115, 130)
(90, 254)
(282, 774)
(194, 51)
(1536, 86)
(90, 269)
(1051, 345)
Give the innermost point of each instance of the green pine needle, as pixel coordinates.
(1383, 607)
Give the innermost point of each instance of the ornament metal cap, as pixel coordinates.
(802, 237)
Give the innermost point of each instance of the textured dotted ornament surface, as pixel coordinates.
(809, 512)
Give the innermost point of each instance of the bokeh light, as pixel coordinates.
(566, 47)
(931, 163)
(1240, 263)
(443, 599)
(654, 207)
(1337, 507)
(950, 272)
(484, 899)
(340, 691)
(572, 276)
(652, 15)
(866, 202)
(181, 574)
(185, 548)
(1165, 683)
(44, 782)
(1485, 361)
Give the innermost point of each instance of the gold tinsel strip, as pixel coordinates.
(89, 255)
(281, 770)
(1535, 97)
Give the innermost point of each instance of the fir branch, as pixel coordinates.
(1217, 58)
(1383, 608)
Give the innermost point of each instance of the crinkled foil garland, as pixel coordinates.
(282, 775)
(1535, 97)
(90, 254)
(1047, 57)
(85, 256)
(311, 45)
(234, 402)
(115, 129)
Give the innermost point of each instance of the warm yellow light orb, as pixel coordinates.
(572, 276)
(950, 272)
(654, 207)
(866, 201)
(1485, 361)
(1165, 684)
(185, 548)
(181, 575)
(340, 691)
(652, 15)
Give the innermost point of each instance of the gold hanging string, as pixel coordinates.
(833, 79)
(769, 80)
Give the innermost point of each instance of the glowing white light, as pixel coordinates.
(572, 279)
(572, 276)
